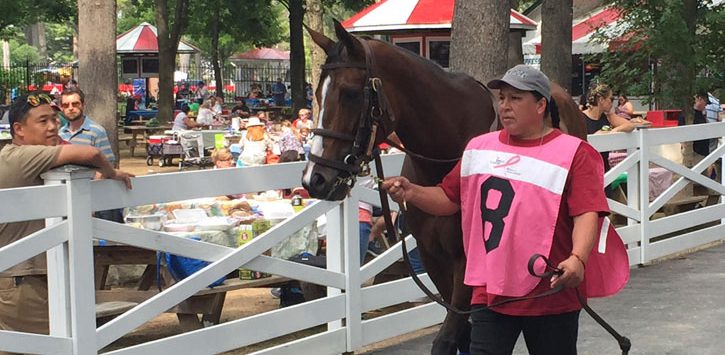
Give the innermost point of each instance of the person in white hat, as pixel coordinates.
(256, 143)
(527, 189)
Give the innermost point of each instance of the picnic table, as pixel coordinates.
(139, 115)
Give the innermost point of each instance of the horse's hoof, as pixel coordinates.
(444, 348)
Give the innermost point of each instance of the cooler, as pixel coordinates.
(663, 118)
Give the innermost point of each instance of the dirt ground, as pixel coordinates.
(238, 304)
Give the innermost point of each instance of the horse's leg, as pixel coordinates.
(448, 278)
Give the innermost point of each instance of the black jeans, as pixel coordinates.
(495, 333)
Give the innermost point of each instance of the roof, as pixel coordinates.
(401, 15)
(582, 31)
(263, 54)
(143, 39)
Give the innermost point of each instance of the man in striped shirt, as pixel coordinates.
(80, 128)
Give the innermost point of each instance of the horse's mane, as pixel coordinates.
(336, 55)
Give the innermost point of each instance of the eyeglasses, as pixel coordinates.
(37, 100)
(76, 104)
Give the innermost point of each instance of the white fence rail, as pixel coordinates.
(69, 197)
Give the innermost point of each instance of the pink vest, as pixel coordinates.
(517, 191)
(529, 181)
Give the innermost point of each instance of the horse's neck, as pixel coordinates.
(428, 108)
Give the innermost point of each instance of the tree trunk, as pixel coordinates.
(556, 60)
(479, 38)
(516, 51)
(297, 54)
(681, 65)
(314, 21)
(168, 37)
(97, 73)
(215, 51)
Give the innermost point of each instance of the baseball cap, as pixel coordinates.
(524, 77)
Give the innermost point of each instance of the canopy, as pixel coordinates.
(263, 54)
(143, 39)
(583, 30)
(402, 15)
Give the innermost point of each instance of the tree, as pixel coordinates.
(516, 51)
(169, 28)
(21, 12)
(680, 38)
(556, 15)
(479, 36)
(97, 69)
(231, 26)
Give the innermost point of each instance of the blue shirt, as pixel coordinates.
(90, 133)
(712, 109)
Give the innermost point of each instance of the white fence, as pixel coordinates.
(70, 196)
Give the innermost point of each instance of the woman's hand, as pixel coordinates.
(573, 274)
(397, 188)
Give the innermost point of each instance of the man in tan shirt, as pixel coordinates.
(35, 149)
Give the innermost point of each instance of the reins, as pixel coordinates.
(550, 270)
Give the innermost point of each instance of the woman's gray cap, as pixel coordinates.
(524, 77)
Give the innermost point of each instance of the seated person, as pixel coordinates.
(240, 108)
(205, 117)
(222, 158)
(182, 121)
(255, 144)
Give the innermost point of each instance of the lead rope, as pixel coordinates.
(624, 343)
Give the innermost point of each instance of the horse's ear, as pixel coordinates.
(346, 38)
(321, 40)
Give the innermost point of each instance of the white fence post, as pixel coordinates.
(351, 226)
(58, 282)
(74, 270)
(644, 209)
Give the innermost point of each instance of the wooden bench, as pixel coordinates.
(207, 302)
(677, 205)
(108, 310)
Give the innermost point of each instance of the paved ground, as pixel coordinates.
(673, 307)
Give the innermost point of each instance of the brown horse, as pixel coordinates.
(369, 89)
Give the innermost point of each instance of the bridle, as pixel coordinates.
(372, 119)
(375, 108)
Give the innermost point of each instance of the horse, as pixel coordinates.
(369, 89)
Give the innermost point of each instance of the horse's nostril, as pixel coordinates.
(317, 181)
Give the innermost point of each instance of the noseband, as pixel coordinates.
(375, 109)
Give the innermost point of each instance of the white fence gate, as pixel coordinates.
(69, 197)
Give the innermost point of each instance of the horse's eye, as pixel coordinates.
(350, 94)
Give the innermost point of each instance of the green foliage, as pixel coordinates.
(21, 12)
(131, 13)
(20, 54)
(59, 39)
(686, 45)
(241, 26)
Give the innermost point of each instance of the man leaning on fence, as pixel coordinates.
(35, 148)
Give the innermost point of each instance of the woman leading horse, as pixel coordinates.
(369, 89)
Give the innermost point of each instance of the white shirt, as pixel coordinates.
(205, 117)
(179, 124)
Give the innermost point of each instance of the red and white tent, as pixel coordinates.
(143, 39)
(262, 54)
(405, 15)
(583, 30)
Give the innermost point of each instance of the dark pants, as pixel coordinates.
(495, 333)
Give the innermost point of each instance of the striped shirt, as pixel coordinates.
(91, 133)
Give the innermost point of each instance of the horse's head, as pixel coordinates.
(354, 116)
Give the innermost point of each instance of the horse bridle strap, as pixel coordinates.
(624, 343)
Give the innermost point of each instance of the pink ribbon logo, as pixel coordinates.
(512, 161)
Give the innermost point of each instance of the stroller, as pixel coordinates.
(192, 144)
(164, 149)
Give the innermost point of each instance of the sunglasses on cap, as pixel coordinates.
(39, 99)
